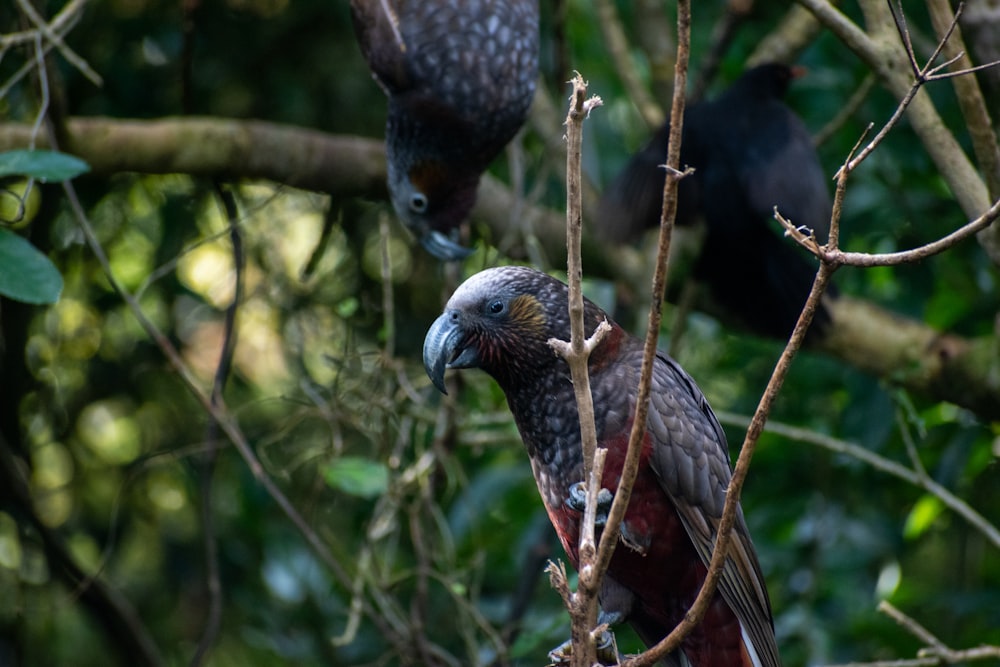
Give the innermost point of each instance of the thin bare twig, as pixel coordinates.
(579, 346)
(213, 579)
(667, 218)
(60, 25)
(914, 628)
(618, 48)
(724, 532)
(867, 260)
(970, 96)
(583, 605)
(936, 651)
(588, 542)
(962, 178)
(931, 72)
(388, 302)
(888, 466)
(225, 419)
(847, 110)
(43, 84)
(922, 74)
(52, 36)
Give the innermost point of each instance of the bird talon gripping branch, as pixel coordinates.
(500, 320)
(577, 500)
(607, 651)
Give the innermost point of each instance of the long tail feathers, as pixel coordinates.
(750, 657)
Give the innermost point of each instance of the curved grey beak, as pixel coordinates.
(444, 347)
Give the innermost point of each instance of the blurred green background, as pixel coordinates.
(427, 503)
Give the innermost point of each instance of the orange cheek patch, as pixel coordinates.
(428, 177)
(527, 313)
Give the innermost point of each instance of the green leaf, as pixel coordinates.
(357, 476)
(922, 516)
(26, 274)
(41, 164)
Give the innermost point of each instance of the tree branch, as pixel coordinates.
(668, 216)
(227, 423)
(618, 48)
(878, 462)
(220, 147)
(124, 629)
(936, 653)
(796, 32)
(582, 605)
(902, 351)
(882, 49)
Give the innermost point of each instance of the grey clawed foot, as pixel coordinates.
(607, 651)
(577, 500)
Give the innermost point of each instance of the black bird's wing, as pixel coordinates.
(760, 159)
(778, 166)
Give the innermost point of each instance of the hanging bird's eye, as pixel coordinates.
(418, 202)
(495, 307)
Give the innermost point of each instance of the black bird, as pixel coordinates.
(750, 153)
(460, 77)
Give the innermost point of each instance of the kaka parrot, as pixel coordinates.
(750, 153)
(460, 77)
(500, 320)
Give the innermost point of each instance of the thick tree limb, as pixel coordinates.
(881, 48)
(902, 351)
(221, 147)
(796, 31)
(910, 354)
(970, 96)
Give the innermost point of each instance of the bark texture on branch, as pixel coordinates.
(882, 50)
(898, 350)
(203, 146)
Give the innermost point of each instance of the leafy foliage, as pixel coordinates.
(425, 501)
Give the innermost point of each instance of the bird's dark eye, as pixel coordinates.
(495, 307)
(418, 202)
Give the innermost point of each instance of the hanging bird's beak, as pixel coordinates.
(445, 347)
(443, 247)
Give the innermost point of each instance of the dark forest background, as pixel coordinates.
(422, 541)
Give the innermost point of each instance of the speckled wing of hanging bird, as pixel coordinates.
(460, 77)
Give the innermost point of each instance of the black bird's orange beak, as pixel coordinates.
(446, 346)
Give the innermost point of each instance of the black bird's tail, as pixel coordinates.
(762, 280)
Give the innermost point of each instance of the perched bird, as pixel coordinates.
(500, 320)
(750, 153)
(460, 77)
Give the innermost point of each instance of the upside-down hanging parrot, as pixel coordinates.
(460, 77)
(750, 154)
(500, 320)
